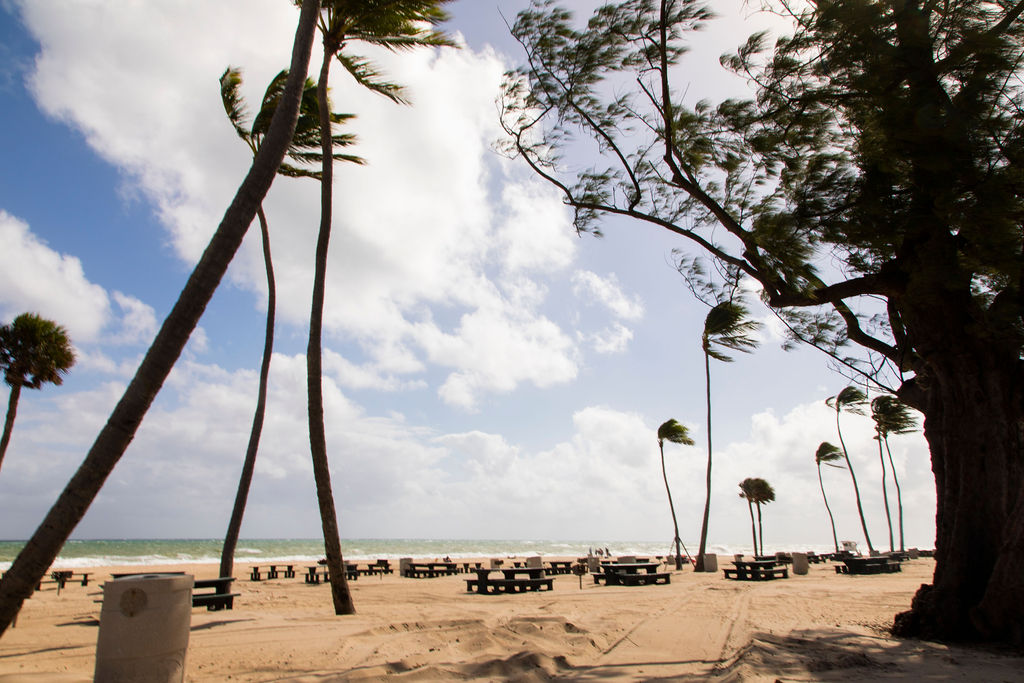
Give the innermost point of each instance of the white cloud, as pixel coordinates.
(606, 291)
(34, 277)
(615, 339)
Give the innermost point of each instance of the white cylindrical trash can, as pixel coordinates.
(144, 628)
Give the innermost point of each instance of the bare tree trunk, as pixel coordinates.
(753, 529)
(671, 507)
(12, 410)
(707, 499)
(42, 548)
(885, 496)
(899, 495)
(227, 555)
(314, 372)
(856, 489)
(831, 519)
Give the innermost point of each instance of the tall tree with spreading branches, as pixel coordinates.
(725, 327)
(828, 454)
(393, 25)
(891, 416)
(872, 187)
(33, 351)
(39, 552)
(673, 432)
(302, 161)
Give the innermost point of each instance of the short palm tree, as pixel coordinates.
(672, 432)
(33, 351)
(851, 400)
(39, 552)
(748, 491)
(827, 454)
(759, 492)
(302, 161)
(891, 416)
(394, 25)
(725, 327)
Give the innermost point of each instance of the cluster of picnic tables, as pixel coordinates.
(763, 568)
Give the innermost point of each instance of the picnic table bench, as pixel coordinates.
(631, 574)
(317, 572)
(378, 567)
(62, 576)
(559, 567)
(868, 565)
(534, 580)
(214, 594)
(272, 573)
(758, 570)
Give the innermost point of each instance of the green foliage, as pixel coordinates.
(757, 491)
(674, 432)
(304, 148)
(872, 185)
(891, 416)
(726, 326)
(392, 24)
(851, 399)
(828, 454)
(34, 351)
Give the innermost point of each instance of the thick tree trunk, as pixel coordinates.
(707, 483)
(12, 410)
(314, 372)
(42, 548)
(227, 554)
(973, 424)
(671, 507)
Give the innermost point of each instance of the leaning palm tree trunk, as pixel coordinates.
(707, 500)
(760, 529)
(227, 554)
(856, 489)
(885, 496)
(314, 381)
(899, 497)
(672, 509)
(12, 410)
(831, 519)
(753, 529)
(44, 545)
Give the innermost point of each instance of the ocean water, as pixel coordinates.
(113, 552)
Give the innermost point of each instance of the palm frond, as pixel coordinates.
(851, 399)
(234, 106)
(366, 75)
(892, 416)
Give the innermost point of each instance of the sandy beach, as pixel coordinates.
(817, 627)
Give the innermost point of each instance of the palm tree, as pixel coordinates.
(891, 416)
(42, 548)
(747, 492)
(395, 25)
(725, 326)
(673, 432)
(828, 454)
(33, 351)
(304, 151)
(758, 492)
(851, 399)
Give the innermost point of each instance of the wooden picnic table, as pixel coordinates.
(534, 580)
(420, 570)
(882, 564)
(631, 574)
(560, 567)
(756, 570)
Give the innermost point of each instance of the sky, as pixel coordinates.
(488, 373)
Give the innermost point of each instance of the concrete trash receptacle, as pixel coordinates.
(711, 563)
(800, 564)
(144, 628)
